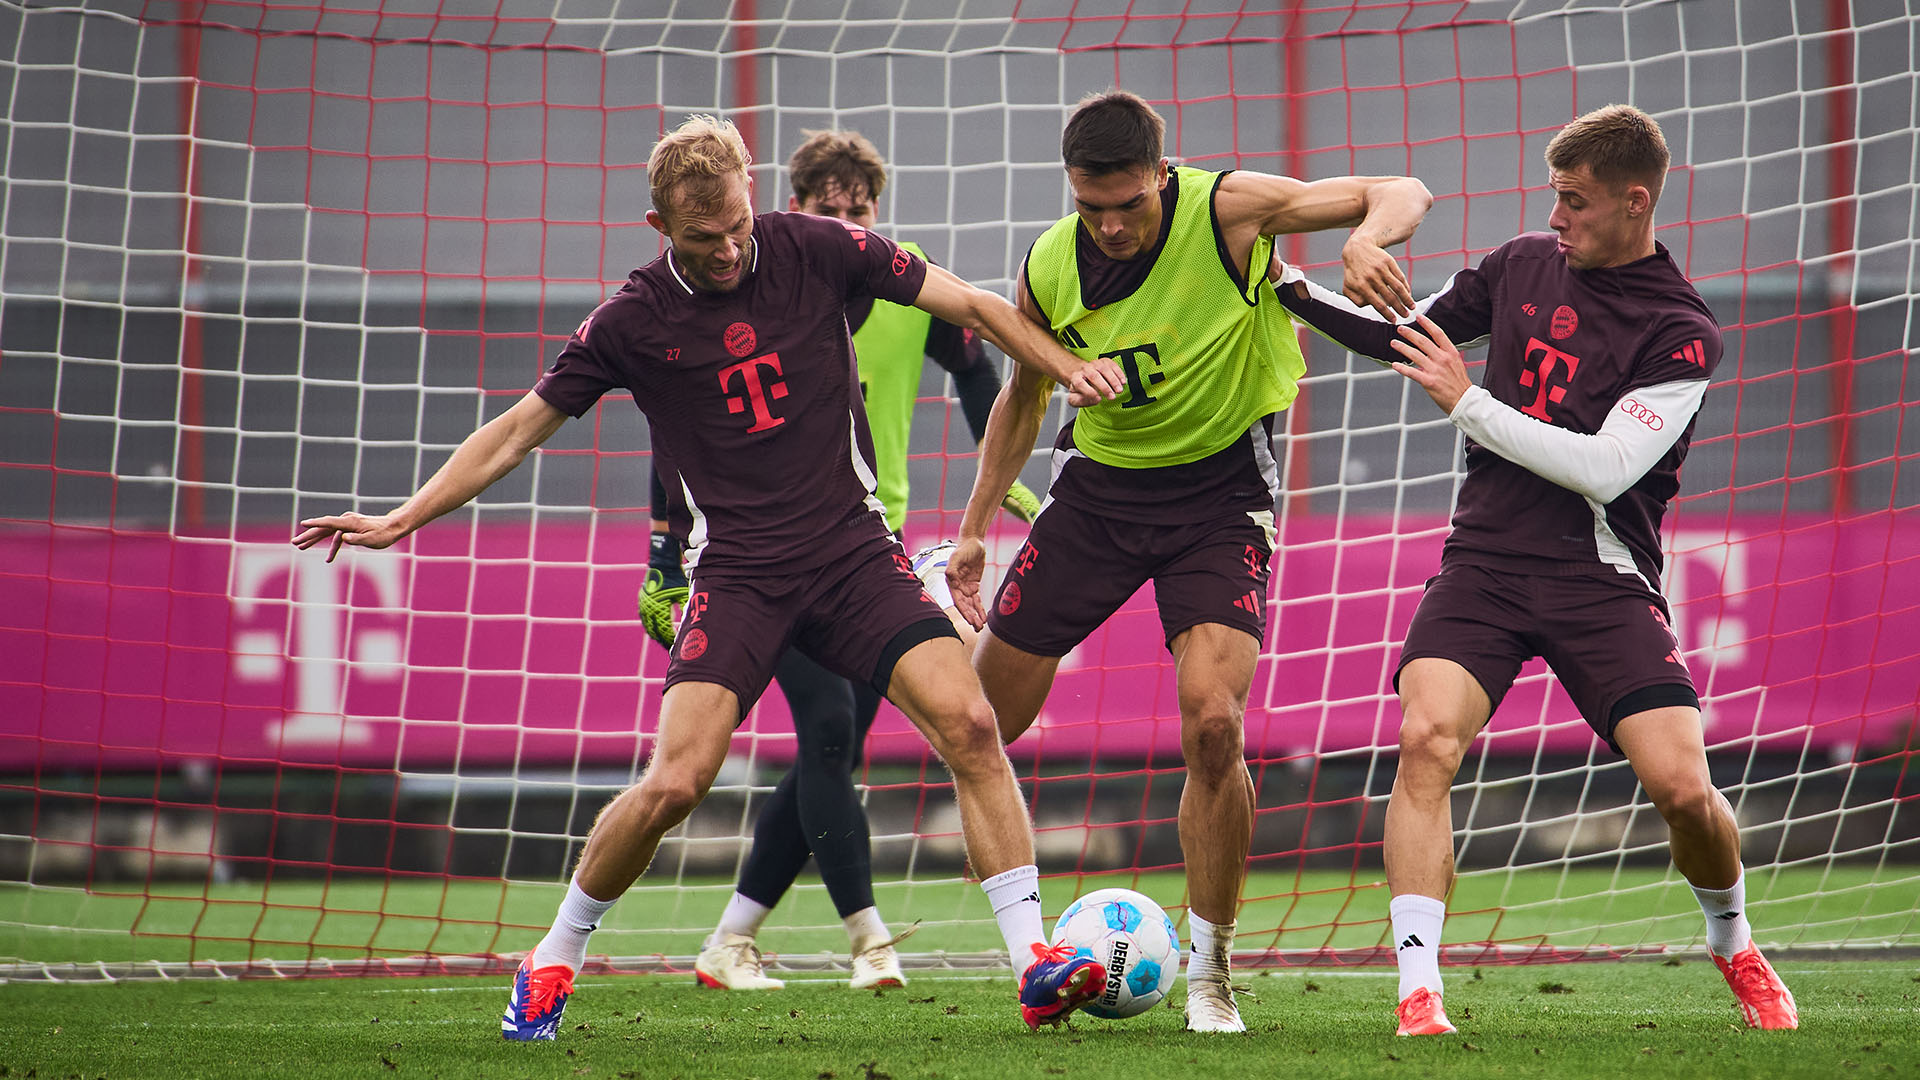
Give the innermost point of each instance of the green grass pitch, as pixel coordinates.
(1638, 1018)
(1610, 1019)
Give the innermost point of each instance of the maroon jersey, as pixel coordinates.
(752, 394)
(1564, 346)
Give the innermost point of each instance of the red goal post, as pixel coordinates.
(263, 261)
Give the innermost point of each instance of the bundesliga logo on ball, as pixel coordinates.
(1133, 939)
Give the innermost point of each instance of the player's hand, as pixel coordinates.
(964, 569)
(660, 601)
(1374, 279)
(1433, 362)
(359, 530)
(1094, 382)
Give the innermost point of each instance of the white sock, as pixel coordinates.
(1212, 948)
(1015, 896)
(1728, 932)
(865, 925)
(743, 917)
(566, 942)
(1416, 935)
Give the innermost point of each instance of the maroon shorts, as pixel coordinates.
(1077, 568)
(1605, 635)
(856, 617)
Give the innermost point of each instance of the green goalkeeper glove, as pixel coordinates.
(1022, 503)
(666, 589)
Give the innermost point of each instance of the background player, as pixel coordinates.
(734, 344)
(814, 809)
(1164, 269)
(1598, 356)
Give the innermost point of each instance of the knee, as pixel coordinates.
(826, 753)
(665, 796)
(1213, 741)
(1693, 807)
(968, 738)
(1429, 746)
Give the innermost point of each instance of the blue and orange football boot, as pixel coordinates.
(1057, 982)
(539, 997)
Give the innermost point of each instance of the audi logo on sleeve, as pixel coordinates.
(1640, 412)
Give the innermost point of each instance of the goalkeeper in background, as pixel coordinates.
(814, 810)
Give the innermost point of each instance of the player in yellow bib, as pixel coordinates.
(1164, 271)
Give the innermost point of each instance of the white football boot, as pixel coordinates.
(930, 566)
(1210, 1006)
(876, 965)
(732, 962)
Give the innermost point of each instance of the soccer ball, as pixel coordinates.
(1133, 939)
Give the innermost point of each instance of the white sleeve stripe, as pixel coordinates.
(1340, 303)
(1638, 430)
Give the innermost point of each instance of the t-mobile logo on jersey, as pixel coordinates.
(1547, 372)
(1134, 360)
(758, 391)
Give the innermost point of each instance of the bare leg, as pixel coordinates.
(1015, 681)
(1667, 749)
(1668, 752)
(1442, 708)
(1215, 668)
(696, 724)
(935, 688)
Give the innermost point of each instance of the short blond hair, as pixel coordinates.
(1619, 144)
(687, 165)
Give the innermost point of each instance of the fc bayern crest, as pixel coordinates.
(739, 339)
(1564, 323)
(694, 645)
(1010, 598)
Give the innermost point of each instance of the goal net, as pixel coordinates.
(260, 262)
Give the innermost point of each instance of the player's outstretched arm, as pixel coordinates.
(483, 457)
(1012, 429)
(1381, 210)
(1460, 307)
(1088, 382)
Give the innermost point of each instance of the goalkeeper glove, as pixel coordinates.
(666, 589)
(1022, 503)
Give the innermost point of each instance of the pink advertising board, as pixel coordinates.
(502, 645)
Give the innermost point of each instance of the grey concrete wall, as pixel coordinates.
(396, 219)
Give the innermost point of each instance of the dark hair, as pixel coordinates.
(845, 160)
(1618, 143)
(1112, 132)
